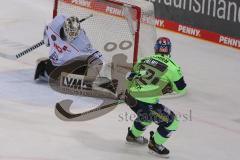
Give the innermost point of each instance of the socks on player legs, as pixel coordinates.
(139, 127)
(163, 133)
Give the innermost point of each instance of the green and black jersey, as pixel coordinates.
(155, 76)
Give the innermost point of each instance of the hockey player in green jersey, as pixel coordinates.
(151, 78)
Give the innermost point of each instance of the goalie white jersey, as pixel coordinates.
(62, 51)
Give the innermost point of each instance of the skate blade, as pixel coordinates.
(158, 155)
(135, 143)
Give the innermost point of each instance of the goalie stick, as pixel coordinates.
(15, 57)
(33, 47)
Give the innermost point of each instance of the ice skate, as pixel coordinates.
(135, 140)
(156, 149)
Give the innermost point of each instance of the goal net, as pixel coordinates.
(123, 31)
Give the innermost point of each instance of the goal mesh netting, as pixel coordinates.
(125, 28)
(123, 31)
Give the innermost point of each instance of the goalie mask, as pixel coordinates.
(71, 28)
(163, 46)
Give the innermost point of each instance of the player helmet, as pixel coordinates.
(163, 46)
(71, 28)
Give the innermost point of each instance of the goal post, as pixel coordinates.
(107, 13)
(121, 22)
(122, 30)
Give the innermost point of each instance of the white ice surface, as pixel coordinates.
(29, 129)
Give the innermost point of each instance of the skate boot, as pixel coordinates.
(138, 140)
(160, 150)
(40, 69)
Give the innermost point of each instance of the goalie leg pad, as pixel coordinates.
(95, 64)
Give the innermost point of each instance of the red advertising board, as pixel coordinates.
(198, 33)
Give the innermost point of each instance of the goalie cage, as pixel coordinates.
(117, 27)
(123, 31)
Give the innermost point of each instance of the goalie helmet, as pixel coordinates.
(163, 46)
(71, 28)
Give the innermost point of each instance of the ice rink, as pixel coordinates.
(30, 130)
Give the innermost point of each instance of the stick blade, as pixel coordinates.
(7, 56)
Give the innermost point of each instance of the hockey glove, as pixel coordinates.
(131, 76)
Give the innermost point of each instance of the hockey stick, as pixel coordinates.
(62, 111)
(91, 15)
(19, 55)
(33, 47)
